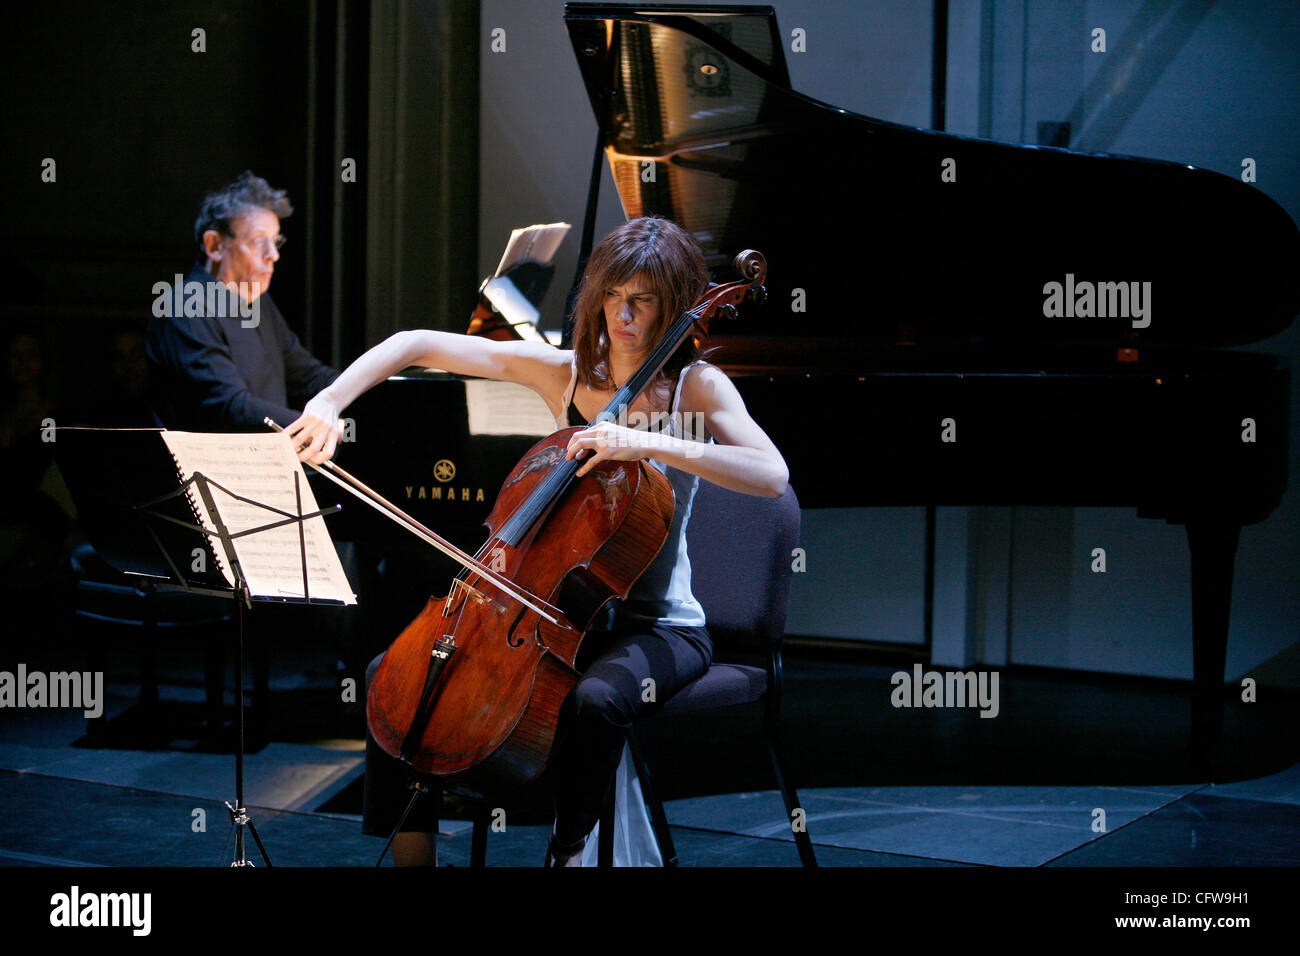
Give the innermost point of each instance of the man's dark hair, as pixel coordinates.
(223, 206)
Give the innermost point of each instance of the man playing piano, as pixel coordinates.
(639, 279)
(234, 362)
(221, 358)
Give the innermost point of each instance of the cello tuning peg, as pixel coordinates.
(727, 311)
(758, 294)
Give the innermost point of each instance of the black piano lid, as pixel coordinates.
(853, 211)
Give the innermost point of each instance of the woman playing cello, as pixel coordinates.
(638, 280)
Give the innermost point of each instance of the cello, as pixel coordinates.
(470, 692)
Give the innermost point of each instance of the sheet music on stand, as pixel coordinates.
(262, 467)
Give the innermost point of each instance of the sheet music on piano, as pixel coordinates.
(532, 244)
(261, 467)
(505, 408)
(514, 307)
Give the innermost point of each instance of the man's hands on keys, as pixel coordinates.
(317, 431)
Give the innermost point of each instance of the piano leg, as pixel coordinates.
(1213, 544)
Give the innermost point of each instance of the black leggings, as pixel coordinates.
(616, 689)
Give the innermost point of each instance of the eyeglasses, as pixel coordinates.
(264, 243)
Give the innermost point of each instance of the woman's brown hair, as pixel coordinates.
(670, 261)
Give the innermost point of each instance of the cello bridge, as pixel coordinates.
(479, 597)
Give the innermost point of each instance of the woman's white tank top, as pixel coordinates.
(662, 595)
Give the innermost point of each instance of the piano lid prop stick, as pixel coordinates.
(381, 504)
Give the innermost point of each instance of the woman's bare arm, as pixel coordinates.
(742, 459)
(534, 364)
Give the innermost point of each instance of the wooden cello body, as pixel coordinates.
(493, 720)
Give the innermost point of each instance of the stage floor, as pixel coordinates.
(68, 804)
(151, 821)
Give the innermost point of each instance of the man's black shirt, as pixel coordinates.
(208, 373)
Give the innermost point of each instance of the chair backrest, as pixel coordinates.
(741, 552)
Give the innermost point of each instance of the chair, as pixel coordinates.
(741, 553)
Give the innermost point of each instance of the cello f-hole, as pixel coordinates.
(510, 636)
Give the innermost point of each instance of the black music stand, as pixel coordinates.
(135, 511)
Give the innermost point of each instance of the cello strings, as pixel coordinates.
(513, 530)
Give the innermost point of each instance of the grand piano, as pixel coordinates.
(994, 324)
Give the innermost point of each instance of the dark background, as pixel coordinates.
(141, 127)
